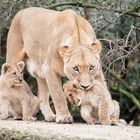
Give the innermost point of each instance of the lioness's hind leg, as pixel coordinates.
(15, 42)
(43, 95)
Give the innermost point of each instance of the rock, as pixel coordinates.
(20, 130)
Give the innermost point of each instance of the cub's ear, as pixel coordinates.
(96, 46)
(21, 65)
(65, 51)
(5, 67)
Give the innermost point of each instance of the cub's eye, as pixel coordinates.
(76, 68)
(91, 67)
(14, 73)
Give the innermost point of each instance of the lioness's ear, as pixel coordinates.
(21, 65)
(5, 68)
(96, 46)
(65, 51)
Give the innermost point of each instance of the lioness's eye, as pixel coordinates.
(91, 67)
(76, 68)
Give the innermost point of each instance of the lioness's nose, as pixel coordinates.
(85, 86)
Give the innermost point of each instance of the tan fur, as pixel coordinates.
(16, 98)
(53, 44)
(96, 103)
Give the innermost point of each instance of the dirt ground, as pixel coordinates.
(52, 131)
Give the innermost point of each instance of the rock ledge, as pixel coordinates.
(19, 130)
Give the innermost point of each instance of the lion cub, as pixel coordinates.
(97, 105)
(16, 98)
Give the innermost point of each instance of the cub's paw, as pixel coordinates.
(106, 122)
(96, 121)
(32, 119)
(64, 119)
(50, 118)
(89, 120)
(4, 117)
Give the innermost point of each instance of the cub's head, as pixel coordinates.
(73, 94)
(82, 64)
(13, 74)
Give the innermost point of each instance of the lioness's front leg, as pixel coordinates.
(58, 97)
(43, 94)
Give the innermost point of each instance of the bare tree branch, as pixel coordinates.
(88, 5)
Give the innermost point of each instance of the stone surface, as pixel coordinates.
(19, 130)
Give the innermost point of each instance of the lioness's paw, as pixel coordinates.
(64, 119)
(50, 118)
(32, 119)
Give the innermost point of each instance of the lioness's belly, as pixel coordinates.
(35, 69)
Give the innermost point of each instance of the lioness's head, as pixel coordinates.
(81, 64)
(73, 94)
(13, 74)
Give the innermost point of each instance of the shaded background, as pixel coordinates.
(117, 25)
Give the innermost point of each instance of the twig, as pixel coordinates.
(138, 29)
(124, 83)
(80, 4)
(128, 36)
(89, 5)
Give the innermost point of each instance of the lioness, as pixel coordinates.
(16, 98)
(55, 44)
(96, 103)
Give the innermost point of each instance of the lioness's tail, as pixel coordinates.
(15, 45)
